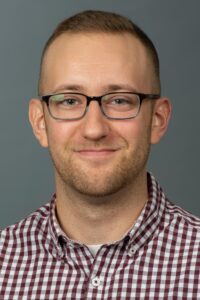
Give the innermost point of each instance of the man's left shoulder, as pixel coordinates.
(182, 222)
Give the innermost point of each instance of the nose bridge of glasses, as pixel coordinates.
(93, 98)
(98, 105)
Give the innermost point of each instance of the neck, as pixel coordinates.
(100, 220)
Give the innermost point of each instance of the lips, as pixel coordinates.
(96, 153)
(96, 150)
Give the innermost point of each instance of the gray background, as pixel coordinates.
(26, 177)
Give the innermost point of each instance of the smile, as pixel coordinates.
(96, 153)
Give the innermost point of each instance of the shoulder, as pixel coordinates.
(32, 227)
(182, 224)
(182, 216)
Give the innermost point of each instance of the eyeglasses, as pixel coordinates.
(116, 106)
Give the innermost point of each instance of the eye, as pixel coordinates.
(120, 101)
(69, 102)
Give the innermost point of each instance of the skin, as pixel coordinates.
(100, 164)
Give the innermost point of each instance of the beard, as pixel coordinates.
(100, 180)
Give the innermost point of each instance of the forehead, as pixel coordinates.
(96, 58)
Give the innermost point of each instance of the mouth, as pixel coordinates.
(96, 153)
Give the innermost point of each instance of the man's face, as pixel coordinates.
(97, 156)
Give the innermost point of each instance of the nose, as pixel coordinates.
(94, 125)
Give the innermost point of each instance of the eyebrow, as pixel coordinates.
(68, 87)
(107, 88)
(117, 87)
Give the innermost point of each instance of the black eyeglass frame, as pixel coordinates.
(141, 96)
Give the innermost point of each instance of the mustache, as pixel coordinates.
(97, 146)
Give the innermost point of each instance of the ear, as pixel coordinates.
(37, 120)
(160, 119)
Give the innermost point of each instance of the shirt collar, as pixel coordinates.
(150, 217)
(56, 232)
(145, 226)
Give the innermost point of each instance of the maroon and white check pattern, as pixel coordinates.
(158, 259)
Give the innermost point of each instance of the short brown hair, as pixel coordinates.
(107, 22)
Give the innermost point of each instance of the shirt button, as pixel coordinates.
(131, 251)
(96, 281)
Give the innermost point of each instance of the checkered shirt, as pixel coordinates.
(159, 258)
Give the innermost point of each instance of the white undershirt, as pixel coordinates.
(94, 249)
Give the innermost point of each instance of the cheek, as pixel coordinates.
(130, 130)
(60, 133)
(137, 132)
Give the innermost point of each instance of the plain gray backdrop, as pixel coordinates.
(26, 176)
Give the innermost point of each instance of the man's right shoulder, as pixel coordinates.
(26, 229)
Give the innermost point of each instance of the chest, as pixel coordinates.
(151, 273)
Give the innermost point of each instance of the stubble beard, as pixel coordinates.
(101, 181)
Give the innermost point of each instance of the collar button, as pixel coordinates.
(131, 251)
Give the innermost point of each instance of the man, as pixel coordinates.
(109, 232)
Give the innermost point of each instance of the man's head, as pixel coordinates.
(95, 155)
(103, 22)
